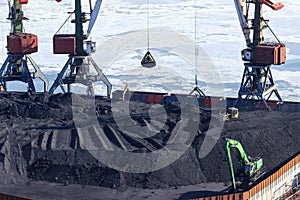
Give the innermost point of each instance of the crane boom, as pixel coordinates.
(243, 21)
(94, 15)
(274, 6)
(16, 16)
(257, 21)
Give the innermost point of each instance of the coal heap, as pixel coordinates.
(40, 140)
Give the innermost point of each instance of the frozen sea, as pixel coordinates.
(122, 28)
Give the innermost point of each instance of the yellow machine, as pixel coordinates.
(233, 113)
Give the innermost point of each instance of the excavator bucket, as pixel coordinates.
(148, 61)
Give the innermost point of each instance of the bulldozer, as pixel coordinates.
(232, 113)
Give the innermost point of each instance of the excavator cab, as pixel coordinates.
(248, 169)
(244, 169)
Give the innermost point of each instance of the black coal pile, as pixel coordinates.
(41, 139)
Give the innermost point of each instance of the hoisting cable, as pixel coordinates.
(195, 37)
(9, 9)
(91, 8)
(65, 22)
(196, 89)
(148, 60)
(247, 10)
(266, 23)
(148, 27)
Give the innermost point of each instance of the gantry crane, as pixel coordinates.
(78, 68)
(19, 46)
(257, 82)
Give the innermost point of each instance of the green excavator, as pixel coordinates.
(250, 169)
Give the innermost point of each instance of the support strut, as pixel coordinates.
(257, 84)
(78, 70)
(15, 68)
